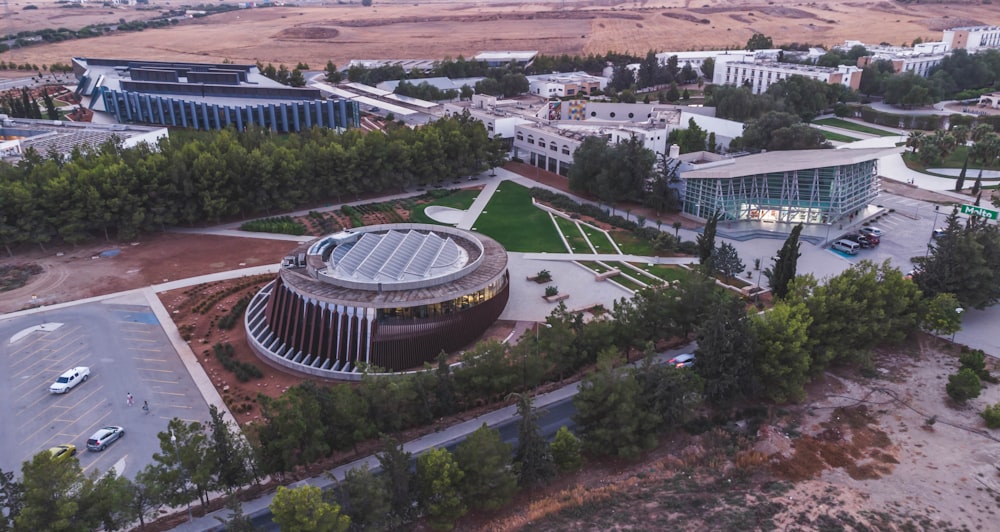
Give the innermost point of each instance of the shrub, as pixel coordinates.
(280, 224)
(243, 371)
(964, 385)
(543, 276)
(551, 291)
(992, 416)
(232, 317)
(565, 449)
(976, 361)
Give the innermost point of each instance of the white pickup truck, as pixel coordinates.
(69, 379)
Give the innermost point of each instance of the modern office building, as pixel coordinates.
(204, 96)
(567, 84)
(808, 186)
(697, 58)
(759, 75)
(387, 296)
(504, 58)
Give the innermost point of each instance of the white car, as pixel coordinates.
(69, 379)
(104, 437)
(685, 360)
(871, 231)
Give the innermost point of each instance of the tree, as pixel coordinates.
(978, 185)
(672, 393)
(236, 521)
(49, 497)
(706, 241)
(963, 385)
(725, 348)
(231, 455)
(399, 481)
(708, 68)
(489, 480)
(439, 480)
(673, 94)
(533, 457)
(332, 74)
(960, 182)
(726, 261)
(963, 261)
(11, 499)
(781, 351)
(759, 41)
(610, 414)
(565, 450)
(785, 264)
(105, 499)
(915, 139)
(303, 509)
(364, 498)
(940, 316)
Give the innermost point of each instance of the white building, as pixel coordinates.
(759, 75)
(697, 59)
(559, 85)
(504, 58)
(919, 59)
(972, 38)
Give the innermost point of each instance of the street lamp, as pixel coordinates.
(958, 312)
(177, 453)
(524, 360)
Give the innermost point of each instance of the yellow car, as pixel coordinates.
(62, 452)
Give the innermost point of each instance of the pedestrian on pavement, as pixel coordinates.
(129, 400)
(145, 407)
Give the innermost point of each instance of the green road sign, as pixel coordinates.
(979, 211)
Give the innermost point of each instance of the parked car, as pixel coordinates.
(104, 437)
(69, 379)
(938, 233)
(62, 452)
(871, 230)
(862, 240)
(685, 360)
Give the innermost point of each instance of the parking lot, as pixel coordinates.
(127, 352)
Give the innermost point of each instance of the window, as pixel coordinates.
(541, 143)
(565, 149)
(520, 136)
(553, 146)
(531, 140)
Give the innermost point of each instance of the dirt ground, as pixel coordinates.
(315, 32)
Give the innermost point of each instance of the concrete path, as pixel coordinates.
(473, 212)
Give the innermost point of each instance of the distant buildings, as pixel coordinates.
(45, 136)
(972, 38)
(503, 58)
(204, 96)
(759, 75)
(560, 85)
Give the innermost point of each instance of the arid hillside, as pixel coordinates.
(315, 33)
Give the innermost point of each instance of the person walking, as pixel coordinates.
(145, 407)
(129, 400)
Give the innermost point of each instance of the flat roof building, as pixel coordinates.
(565, 84)
(503, 58)
(760, 75)
(204, 96)
(808, 186)
(60, 136)
(972, 38)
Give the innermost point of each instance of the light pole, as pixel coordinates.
(524, 361)
(177, 453)
(958, 312)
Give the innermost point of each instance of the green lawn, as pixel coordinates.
(512, 220)
(629, 283)
(600, 240)
(577, 243)
(640, 274)
(593, 266)
(632, 245)
(460, 199)
(667, 272)
(837, 137)
(953, 160)
(844, 124)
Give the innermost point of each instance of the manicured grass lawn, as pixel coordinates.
(639, 274)
(512, 220)
(629, 283)
(593, 266)
(573, 235)
(461, 199)
(631, 245)
(837, 137)
(667, 272)
(844, 124)
(600, 240)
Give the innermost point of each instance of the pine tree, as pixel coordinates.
(533, 458)
(706, 241)
(978, 185)
(960, 182)
(785, 264)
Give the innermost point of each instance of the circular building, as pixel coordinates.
(391, 296)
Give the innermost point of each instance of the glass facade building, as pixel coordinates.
(817, 189)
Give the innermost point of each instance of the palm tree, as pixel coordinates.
(677, 230)
(961, 134)
(915, 139)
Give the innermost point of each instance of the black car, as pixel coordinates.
(862, 240)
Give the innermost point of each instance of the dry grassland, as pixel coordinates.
(315, 33)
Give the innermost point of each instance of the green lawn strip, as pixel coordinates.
(600, 240)
(628, 283)
(638, 273)
(837, 137)
(844, 124)
(593, 266)
(953, 160)
(632, 245)
(460, 199)
(574, 237)
(667, 272)
(512, 220)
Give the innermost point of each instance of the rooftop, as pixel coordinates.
(62, 136)
(784, 161)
